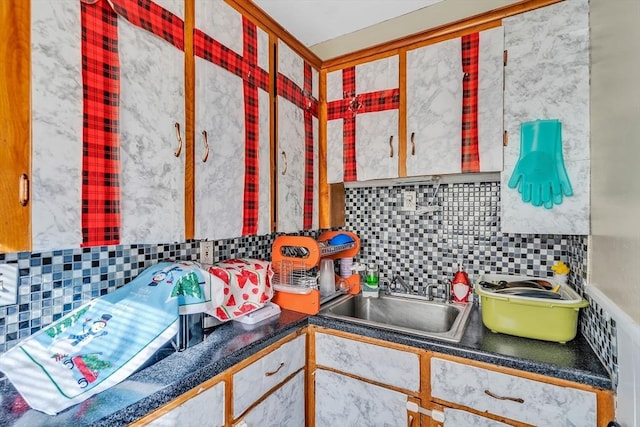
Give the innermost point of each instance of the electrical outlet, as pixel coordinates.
(409, 201)
(206, 252)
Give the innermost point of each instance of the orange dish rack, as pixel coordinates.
(294, 258)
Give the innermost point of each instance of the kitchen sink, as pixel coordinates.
(409, 315)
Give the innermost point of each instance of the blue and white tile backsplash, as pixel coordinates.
(423, 249)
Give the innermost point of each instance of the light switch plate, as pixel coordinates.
(8, 284)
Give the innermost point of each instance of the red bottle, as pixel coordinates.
(460, 287)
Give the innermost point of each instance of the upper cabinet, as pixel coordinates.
(152, 126)
(362, 121)
(453, 119)
(232, 143)
(454, 105)
(547, 77)
(297, 142)
(15, 140)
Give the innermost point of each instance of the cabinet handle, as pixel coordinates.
(179, 149)
(286, 164)
(272, 373)
(495, 396)
(391, 146)
(23, 190)
(410, 424)
(413, 144)
(205, 156)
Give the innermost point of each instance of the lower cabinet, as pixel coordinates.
(201, 406)
(284, 407)
(466, 390)
(345, 401)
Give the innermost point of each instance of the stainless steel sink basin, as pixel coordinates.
(408, 315)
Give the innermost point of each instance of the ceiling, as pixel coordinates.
(331, 28)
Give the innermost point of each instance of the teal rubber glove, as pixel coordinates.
(540, 174)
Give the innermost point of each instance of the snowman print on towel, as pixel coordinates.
(73, 343)
(163, 274)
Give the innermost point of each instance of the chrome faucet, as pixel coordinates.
(447, 290)
(400, 281)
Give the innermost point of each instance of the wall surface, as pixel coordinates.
(615, 184)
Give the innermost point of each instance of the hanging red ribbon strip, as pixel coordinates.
(353, 104)
(470, 152)
(252, 132)
(100, 133)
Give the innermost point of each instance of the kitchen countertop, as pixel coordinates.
(233, 342)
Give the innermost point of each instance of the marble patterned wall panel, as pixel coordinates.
(219, 182)
(547, 77)
(152, 101)
(56, 124)
(222, 22)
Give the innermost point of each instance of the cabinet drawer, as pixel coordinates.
(250, 383)
(520, 399)
(385, 365)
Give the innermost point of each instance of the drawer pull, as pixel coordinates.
(391, 146)
(205, 140)
(23, 190)
(495, 396)
(272, 373)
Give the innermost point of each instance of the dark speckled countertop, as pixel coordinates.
(233, 342)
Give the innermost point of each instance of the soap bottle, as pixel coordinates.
(460, 287)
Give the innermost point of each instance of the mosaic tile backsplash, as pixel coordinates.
(465, 231)
(424, 249)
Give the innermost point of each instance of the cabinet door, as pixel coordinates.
(547, 77)
(56, 124)
(297, 147)
(376, 131)
(151, 103)
(205, 408)
(284, 407)
(434, 108)
(344, 401)
(221, 129)
(513, 397)
(14, 119)
(435, 105)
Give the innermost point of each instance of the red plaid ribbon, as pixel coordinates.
(470, 153)
(100, 133)
(353, 104)
(252, 132)
(153, 18)
(303, 98)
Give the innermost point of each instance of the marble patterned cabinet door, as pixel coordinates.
(220, 106)
(547, 77)
(152, 101)
(284, 407)
(377, 132)
(205, 408)
(348, 402)
(291, 148)
(434, 105)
